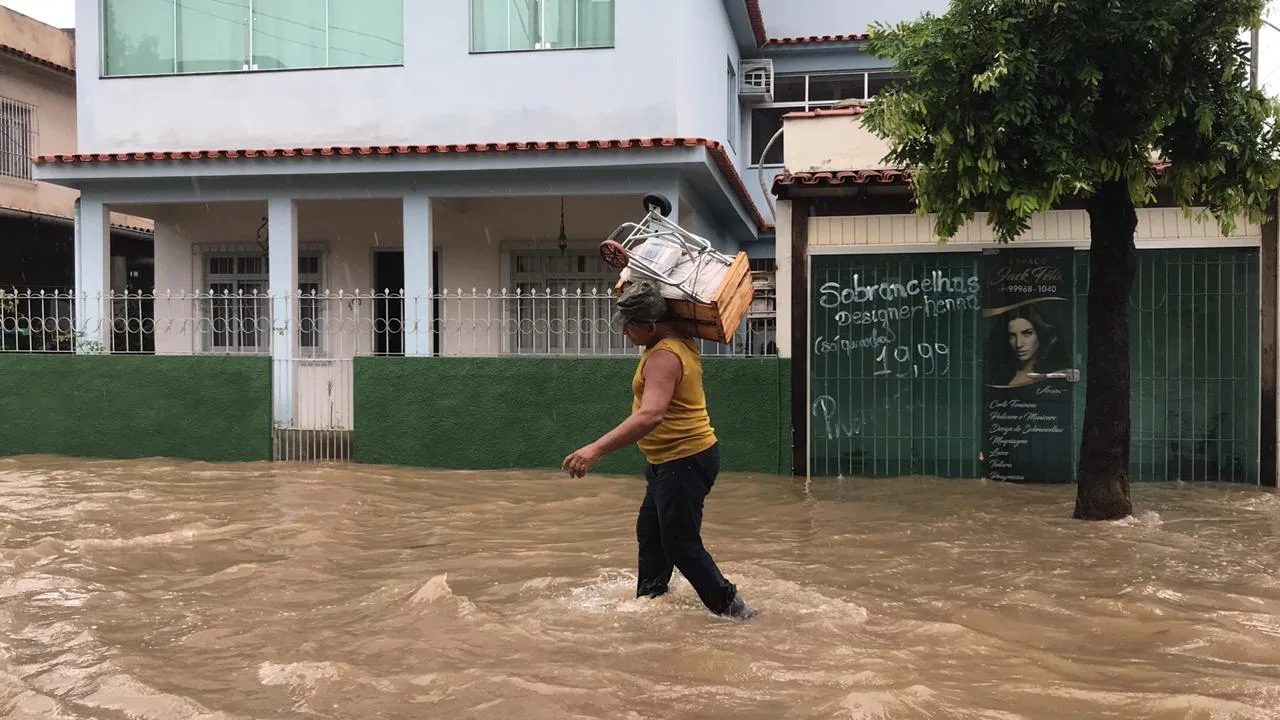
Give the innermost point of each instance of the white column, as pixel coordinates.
(418, 273)
(282, 231)
(93, 275)
(782, 280)
(673, 194)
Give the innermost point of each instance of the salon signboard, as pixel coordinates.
(1027, 366)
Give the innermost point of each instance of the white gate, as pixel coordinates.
(322, 424)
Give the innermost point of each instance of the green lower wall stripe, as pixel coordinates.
(123, 406)
(497, 413)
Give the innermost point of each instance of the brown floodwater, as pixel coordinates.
(157, 589)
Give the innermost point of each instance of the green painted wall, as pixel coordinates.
(493, 413)
(131, 406)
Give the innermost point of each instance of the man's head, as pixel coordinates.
(640, 308)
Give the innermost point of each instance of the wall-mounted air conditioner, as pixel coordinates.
(756, 85)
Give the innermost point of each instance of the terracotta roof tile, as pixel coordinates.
(24, 55)
(816, 39)
(762, 36)
(884, 176)
(757, 21)
(383, 150)
(827, 112)
(843, 177)
(717, 151)
(68, 218)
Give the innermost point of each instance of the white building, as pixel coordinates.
(418, 164)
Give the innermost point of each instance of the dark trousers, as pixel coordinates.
(669, 530)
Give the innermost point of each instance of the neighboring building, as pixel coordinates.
(434, 163)
(38, 115)
(903, 350)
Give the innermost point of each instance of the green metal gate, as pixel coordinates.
(894, 384)
(1194, 348)
(895, 375)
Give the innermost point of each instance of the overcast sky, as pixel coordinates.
(62, 13)
(58, 13)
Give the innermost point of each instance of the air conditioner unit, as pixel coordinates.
(756, 85)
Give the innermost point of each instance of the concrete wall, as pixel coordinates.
(53, 95)
(642, 87)
(762, 194)
(1155, 225)
(705, 45)
(830, 142)
(118, 406)
(402, 417)
(36, 38)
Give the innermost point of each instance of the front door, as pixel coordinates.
(388, 306)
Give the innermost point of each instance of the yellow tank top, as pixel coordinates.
(686, 428)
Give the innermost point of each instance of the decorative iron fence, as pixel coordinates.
(342, 324)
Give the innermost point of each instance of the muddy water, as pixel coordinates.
(159, 590)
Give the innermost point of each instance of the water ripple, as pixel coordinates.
(155, 589)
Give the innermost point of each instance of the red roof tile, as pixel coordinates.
(24, 55)
(757, 21)
(816, 39)
(762, 36)
(843, 177)
(827, 112)
(384, 150)
(67, 218)
(717, 151)
(886, 176)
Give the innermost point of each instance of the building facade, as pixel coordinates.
(38, 115)
(968, 358)
(385, 177)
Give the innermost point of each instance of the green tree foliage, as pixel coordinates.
(1014, 107)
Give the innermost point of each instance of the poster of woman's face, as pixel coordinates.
(1029, 338)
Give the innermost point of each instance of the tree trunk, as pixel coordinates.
(1102, 490)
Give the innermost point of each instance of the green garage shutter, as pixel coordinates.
(895, 375)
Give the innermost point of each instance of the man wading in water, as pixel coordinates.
(669, 422)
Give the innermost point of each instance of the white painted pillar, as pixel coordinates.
(782, 279)
(282, 231)
(673, 194)
(93, 275)
(418, 274)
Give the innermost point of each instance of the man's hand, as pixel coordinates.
(581, 460)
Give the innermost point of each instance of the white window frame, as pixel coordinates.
(804, 105)
(311, 344)
(599, 312)
(734, 107)
(19, 139)
(248, 65)
(542, 43)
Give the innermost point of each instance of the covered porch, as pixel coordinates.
(313, 261)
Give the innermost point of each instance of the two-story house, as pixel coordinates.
(425, 167)
(38, 114)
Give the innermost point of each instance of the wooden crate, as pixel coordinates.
(718, 320)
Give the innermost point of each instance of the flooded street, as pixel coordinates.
(171, 590)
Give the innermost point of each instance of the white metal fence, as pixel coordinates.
(337, 325)
(313, 391)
